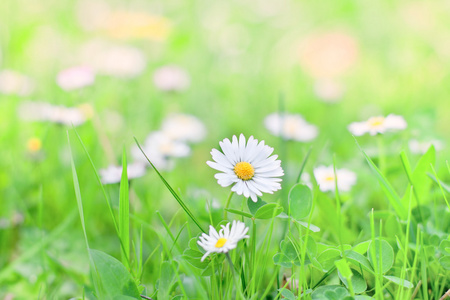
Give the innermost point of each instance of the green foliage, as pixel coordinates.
(116, 281)
(300, 201)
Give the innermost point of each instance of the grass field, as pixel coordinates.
(349, 94)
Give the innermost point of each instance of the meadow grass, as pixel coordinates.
(66, 234)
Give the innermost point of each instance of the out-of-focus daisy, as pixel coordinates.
(421, 147)
(75, 78)
(328, 55)
(183, 127)
(325, 177)
(378, 124)
(159, 148)
(14, 83)
(328, 90)
(224, 240)
(113, 174)
(41, 111)
(248, 166)
(171, 79)
(290, 127)
(121, 61)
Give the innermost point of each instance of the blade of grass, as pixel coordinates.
(171, 190)
(124, 213)
(95, 276)
(302, 167)
(389, 191)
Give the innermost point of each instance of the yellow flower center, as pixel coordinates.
(220, 242)
(376, 121)
(34, 144)
(244, 170)
(329, 178)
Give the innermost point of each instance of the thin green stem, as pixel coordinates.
(226, 205)
(236, 285)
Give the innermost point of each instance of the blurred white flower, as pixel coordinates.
(113, 174)
(160, 148)
(224, 240)
(14, 83)
(171, 78)
(75, 78)
(183, 127)
(42, 111)
(121, 61)
(421, 147)
(248, 166)
(290, 127)
(378, 124)
(325, 178)
(328, 90)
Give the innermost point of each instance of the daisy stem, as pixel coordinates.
(226, 205)
(236, 285)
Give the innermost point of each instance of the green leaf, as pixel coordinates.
(114, 277)
(124, 213)
(330, 292)
(282, 260)
(384, 252)
(254, 206)
(166, 279)
(388, 190)
(402, 282)
(268, 211)
(444, 247)
(358, 282)
(445, 262)
(419, 177)
(238, 212)
(193, 257)
(287, 294)
(300, 201)
(328, 257)
(312, 227)
(362, 248)
(343, 268)
(358, 259)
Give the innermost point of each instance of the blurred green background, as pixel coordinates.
(333, 62)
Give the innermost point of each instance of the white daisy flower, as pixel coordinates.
(113, 174)
(15, 83)
(159, 148)
(224, 240)
(325, 177)
(42, 111)
(184, 127)
(378, 124)
(75, 78)
(171, 78)
(290, 127)
(421, 147)
(247, 166)
(122, 61)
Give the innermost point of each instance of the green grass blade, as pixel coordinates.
(171, 190)
(95, 277)
(302, 167)
(108, 202)
(389, 191)
(124, 213)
